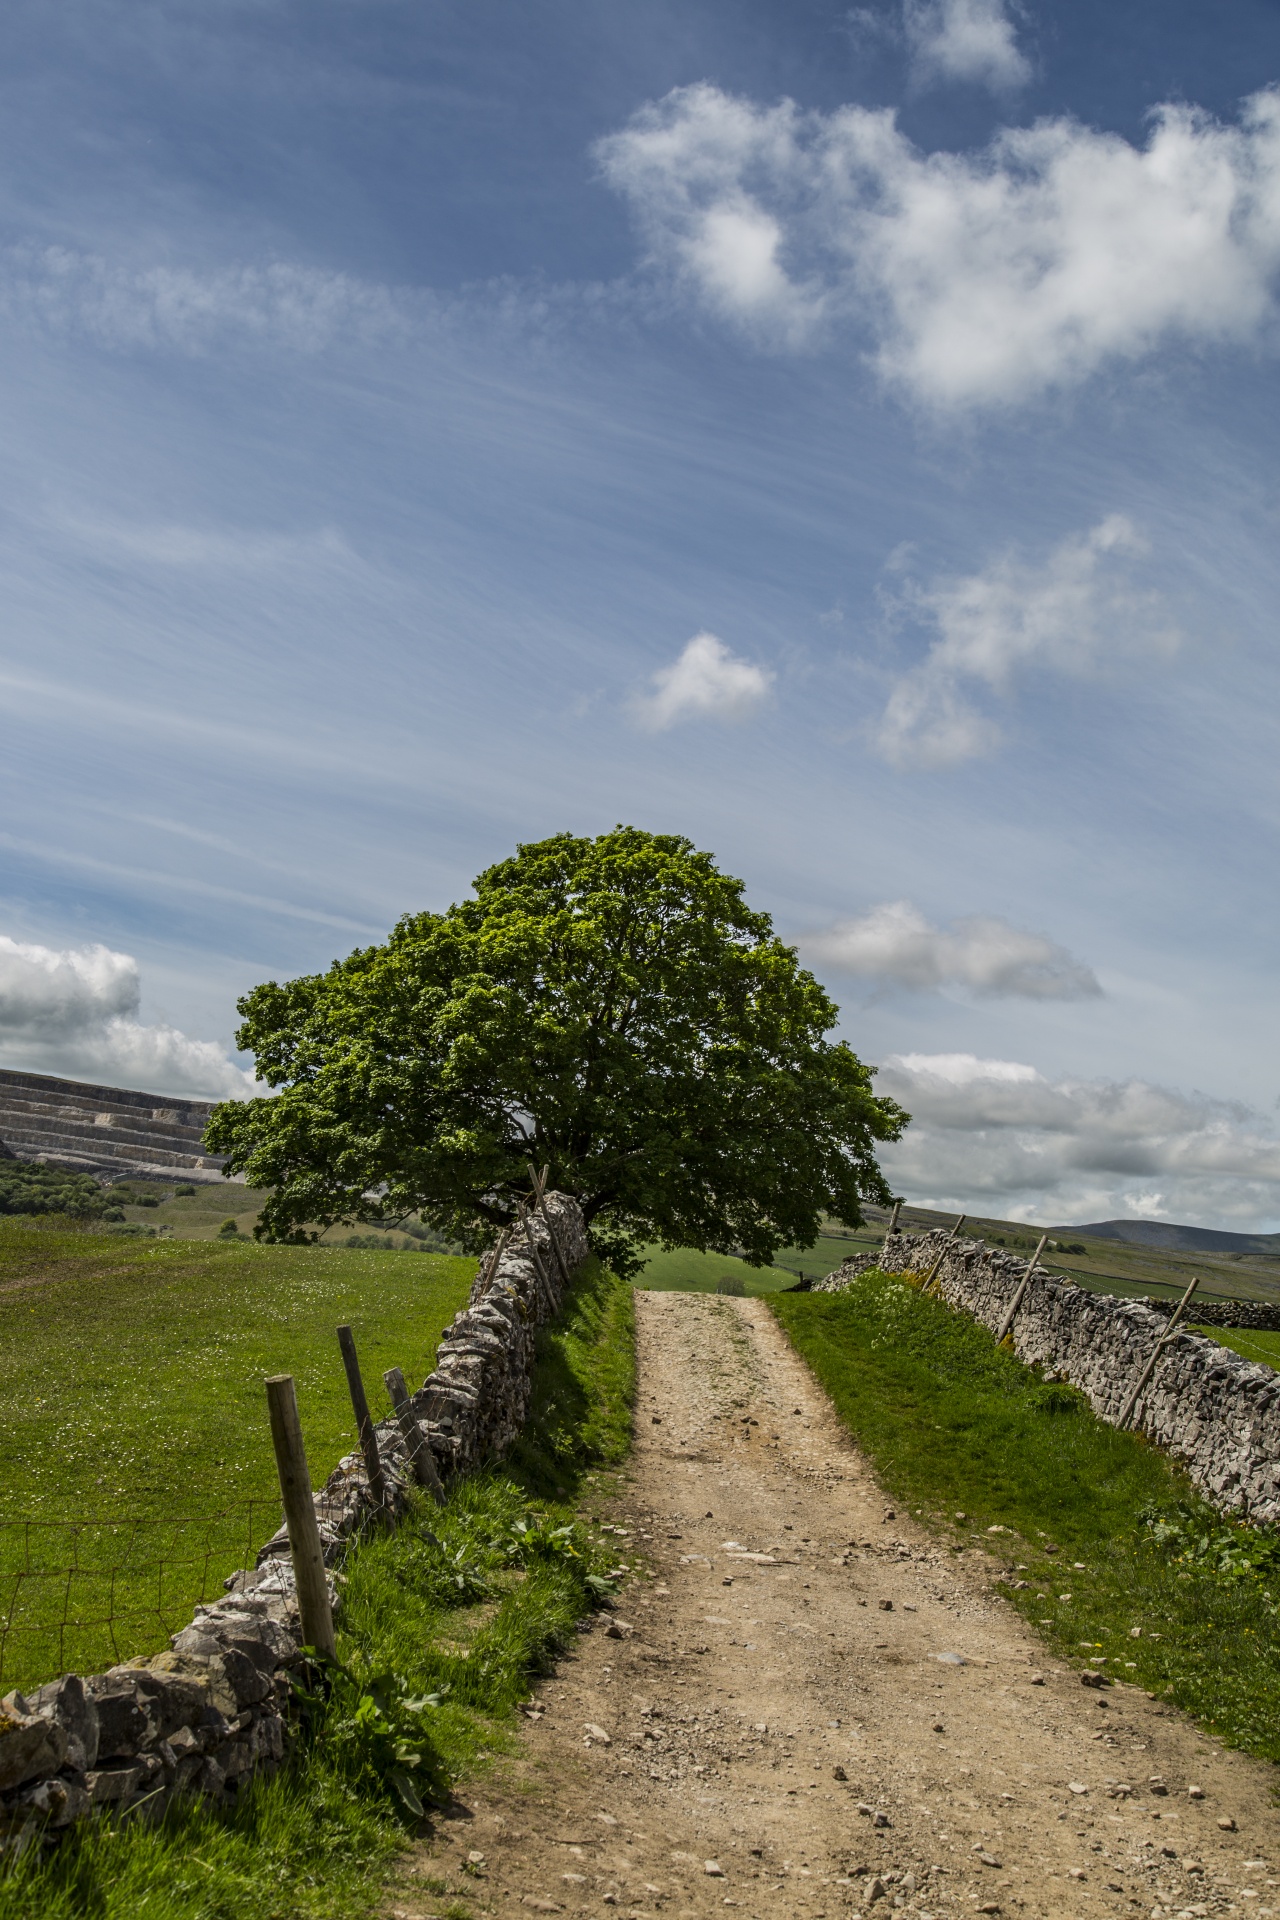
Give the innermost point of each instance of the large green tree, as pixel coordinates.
(610, 1007)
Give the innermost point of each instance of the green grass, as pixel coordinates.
(132, 1411)
(684, 1270)
(458, 1599)
(1262, 1347)
(953, 1423)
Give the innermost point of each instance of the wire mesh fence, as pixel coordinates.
(77, 1596)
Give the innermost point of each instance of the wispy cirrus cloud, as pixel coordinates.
(998, 1137)
(1079, 608)
(895, 944)
(705, 682)
(195, 311)
(977, 279)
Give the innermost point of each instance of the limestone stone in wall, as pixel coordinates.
(210, 1712)
(1218, 1413)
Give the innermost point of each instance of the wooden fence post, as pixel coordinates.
(305, 1549)
(491, 1273)
(535, 1254)
(364, 1424)
(540, 1188)
(421, 1458)
(946, 1248)
(893, 1227)
(1156, 1351)
(1023, 1284)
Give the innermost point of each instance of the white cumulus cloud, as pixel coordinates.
(895, 943)
(998, 1137)
(74, 1011)
(705, 682)
(977, 278)
(1071, 614)
(966, 40)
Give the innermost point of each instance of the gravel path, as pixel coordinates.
(815, 1708)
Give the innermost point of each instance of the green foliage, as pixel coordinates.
(428, 1675)
(27, 1188)
(376, 1731)
(731, 1284)
(610, 1007)
(1126, 1567)
(1198, 1538)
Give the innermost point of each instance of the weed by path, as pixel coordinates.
(954, 1424)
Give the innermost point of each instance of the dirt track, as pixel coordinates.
(748, 1683)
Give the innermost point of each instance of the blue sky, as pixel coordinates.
(847, 437)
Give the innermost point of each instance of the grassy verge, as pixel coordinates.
(132, 1414)
(443, 1626)
(1108, 1533)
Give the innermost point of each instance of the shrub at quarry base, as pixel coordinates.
(954, 1424)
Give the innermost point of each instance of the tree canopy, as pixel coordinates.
(609, 1007)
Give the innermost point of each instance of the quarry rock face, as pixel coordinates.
(1218, 1413)
(104, 1130)
(213, 1710)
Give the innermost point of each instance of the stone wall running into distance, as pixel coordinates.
(203, 1716)
(1216, 1412)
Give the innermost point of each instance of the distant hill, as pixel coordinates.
(1175, 1239)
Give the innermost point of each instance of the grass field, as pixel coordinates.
(683, 1270)
(156, 1209)
(955, 1425)
(1262, 1347)
(132, 1410)
(465, 1606)
(686, 1271)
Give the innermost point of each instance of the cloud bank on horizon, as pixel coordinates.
(74, 1012)
(998, 1137)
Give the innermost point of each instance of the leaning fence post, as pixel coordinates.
(1023, 1284)
(535, 1255)
(364, 1424)
(540, 1189)
(932, 1274)
(893, 1227)
(421, 1458)
(305, 1549)
(1156, 1351)
(486, 1276)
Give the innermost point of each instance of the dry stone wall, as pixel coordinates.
(212, 1710)
(1218, 1413)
